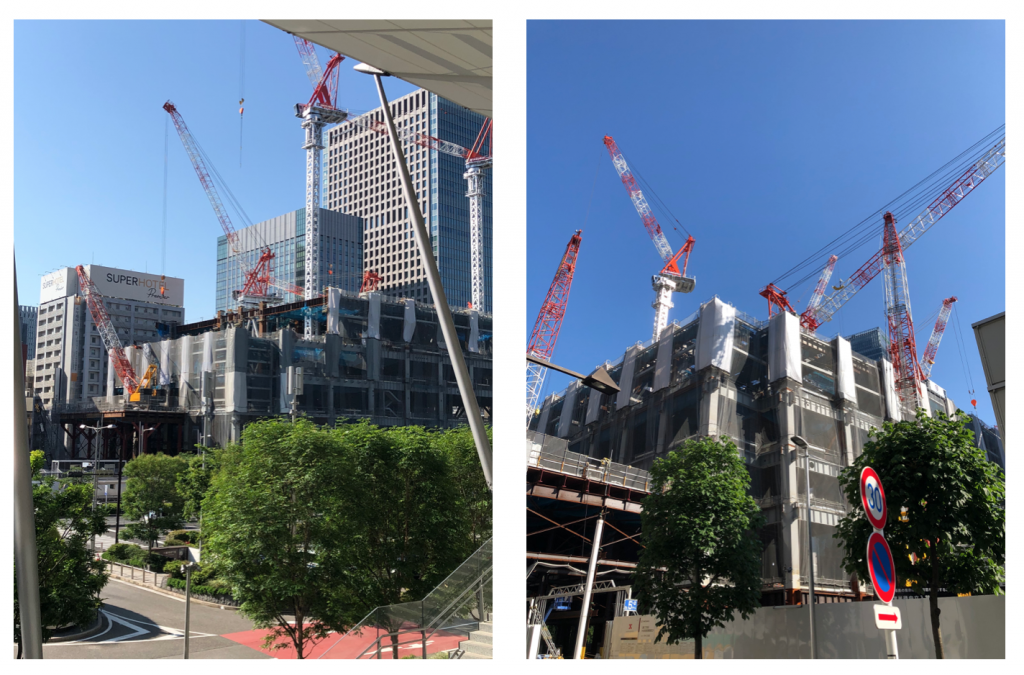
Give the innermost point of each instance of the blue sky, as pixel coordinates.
(89, 141)
(766, 140)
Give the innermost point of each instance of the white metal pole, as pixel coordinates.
(810, 548)
(581, 637)
(188, 603)
(890, 645)
(444, 313)
(26, 555)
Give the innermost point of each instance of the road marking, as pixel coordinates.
(136, 626)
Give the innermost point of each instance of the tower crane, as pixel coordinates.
(928, 359)
(549, 323)
(104, 326)
(670, 279)
(963, 185)
(259, 278)
(902, 345)
(318, 112)
(476, 163)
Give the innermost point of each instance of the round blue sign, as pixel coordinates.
(881, 568)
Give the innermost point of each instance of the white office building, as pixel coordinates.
(71, 363)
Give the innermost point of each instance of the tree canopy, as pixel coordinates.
(953, 533)
(327, 524)
(702, 558)
(70, 580)
(152, 489)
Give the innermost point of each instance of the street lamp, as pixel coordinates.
(599, 379)
(187, 571)
(95, 475)
(444, 313)
(800, 442)
(120, 469)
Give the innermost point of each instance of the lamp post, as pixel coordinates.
(444, 313)
(800, 442)
(95, 474)
(187, 570)
(120, 469)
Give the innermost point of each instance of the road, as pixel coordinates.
(144, 624)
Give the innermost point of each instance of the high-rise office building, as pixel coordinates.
(363, 179)
(71, 362)
(341, 254)
(29, 317)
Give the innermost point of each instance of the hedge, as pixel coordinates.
(200, 589)
(186, 536)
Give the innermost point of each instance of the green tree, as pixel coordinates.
(70, 580)
(194, 482)
(151, 497)
(702, 557)
(409, 524)
(467, 480)
(272, 529)
(955, 523)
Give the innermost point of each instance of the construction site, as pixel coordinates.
(326, 314)
(721, 372)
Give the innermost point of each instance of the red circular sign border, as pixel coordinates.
(865, 472)
(892, 592)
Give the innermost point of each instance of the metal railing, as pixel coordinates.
(457, 605)
(553, 454)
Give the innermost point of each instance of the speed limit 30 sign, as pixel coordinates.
(872, 497)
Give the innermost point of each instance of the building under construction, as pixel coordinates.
(719, 372)
(377, 358)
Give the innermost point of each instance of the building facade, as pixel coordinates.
(71, 363)
(362, 179)
(759, 383)
(29, 317)
(341, 254)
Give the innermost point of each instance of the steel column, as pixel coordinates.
(581, 637)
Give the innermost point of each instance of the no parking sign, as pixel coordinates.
(881, 567)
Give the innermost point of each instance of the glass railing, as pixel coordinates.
(454, 608)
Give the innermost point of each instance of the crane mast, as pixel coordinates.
(549, 323)
(965, 183)
(671, 279)
(902, 346)
(108, 334)
(320, 111)
(476, 163)
(932, 348)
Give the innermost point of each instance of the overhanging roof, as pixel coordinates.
(449, 58)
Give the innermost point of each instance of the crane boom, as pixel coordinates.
(639, 201)
(950, 197)
(549, 323)
(902, 343)
(928, 360)
(420, 139)
(819, 290)
(309, 59)
(105, 327)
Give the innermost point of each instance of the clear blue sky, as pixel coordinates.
(89, 141)
(766, 140)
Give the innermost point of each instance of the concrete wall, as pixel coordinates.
(972, 628)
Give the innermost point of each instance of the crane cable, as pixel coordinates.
(963, 359)
(647, 188)
(241, 95)
(163, 227)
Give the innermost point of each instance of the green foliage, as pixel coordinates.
(327, 524)
(37, 460)
(699, 524)
(214, 591)
(121, 552)
(171, 541)
(955, 500)
(152, 488)
(188, 536)
(70, 579)
(194, 482)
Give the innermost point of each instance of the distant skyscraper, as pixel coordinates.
(29, 315)
(341, 253)
(362, 179)
(872, 343)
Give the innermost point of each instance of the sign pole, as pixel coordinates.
(881, 566)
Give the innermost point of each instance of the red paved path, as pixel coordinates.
(351, 646)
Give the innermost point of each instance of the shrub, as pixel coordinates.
(200, 589)
(123, 553)
(172, 541)
(190, 537)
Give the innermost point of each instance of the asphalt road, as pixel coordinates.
(144, 624)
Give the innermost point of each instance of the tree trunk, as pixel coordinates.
(394, 647)
(19, 648)
(933, 603)
(299, 645)
(698, 646)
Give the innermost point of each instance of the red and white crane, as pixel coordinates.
(259, 278)
(928, 358)
(108, 334)
(318, 112)
(902, 345)
(477, 161)
(670, 279)
(964, 184)
(549, 323)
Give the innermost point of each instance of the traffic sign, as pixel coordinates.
(881, 567)
(887, 617)
(630, 605)
(872, 497)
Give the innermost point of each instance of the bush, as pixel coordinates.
(201, 589)
(175, 542)
(190, 537)
(123, 553)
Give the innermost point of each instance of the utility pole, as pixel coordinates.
(800, 442)
(187, 569)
